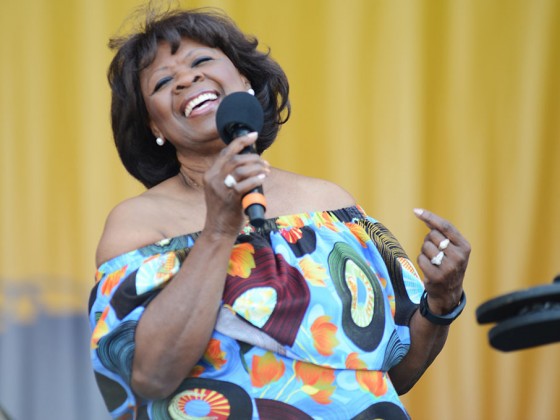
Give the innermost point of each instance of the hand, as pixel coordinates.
(443, 282)
(224, 213)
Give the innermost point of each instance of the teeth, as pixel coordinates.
(198, 100)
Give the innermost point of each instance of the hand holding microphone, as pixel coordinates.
(238, 115)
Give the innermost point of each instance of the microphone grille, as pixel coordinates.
(239, 109)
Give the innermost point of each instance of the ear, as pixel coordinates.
(246, 82)
(155, 130)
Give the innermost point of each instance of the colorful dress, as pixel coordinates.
(315, 312)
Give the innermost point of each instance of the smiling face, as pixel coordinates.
(182, 92)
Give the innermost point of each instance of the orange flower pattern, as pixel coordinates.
(266, 369)
(324, 335)
(214, 354)
(324, 219)
(332, 283)
(359, 233)
(313, 272)
(197, 371)
(101, 328)
(291, 235)
(290, 222)
(241, 261)
(318, 382)
(369, 380)
(112, 280)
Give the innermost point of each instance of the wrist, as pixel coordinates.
(441, 318)
(218, 237)
(442, 306)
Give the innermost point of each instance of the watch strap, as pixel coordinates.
(441, 319)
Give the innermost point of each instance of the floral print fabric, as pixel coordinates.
(315, 312)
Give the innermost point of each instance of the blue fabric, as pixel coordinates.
(315, 312)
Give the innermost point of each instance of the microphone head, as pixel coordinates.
(238, 111)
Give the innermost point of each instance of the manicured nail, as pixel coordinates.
(418, 212)
(261, 176)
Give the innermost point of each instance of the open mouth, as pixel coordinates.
(199, 102)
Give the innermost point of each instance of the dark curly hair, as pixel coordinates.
(146, 161)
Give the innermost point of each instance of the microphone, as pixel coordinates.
(239, 114)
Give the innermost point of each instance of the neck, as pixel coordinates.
(191, 180)
(193, 166)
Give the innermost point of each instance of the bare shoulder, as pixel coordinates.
(306, 193)
(127, 228)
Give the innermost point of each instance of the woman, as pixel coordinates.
(195, 312)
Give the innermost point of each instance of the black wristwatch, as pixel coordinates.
(441, 319)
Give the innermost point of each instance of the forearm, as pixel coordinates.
(176, 326)
(426, 342)
(442, 302)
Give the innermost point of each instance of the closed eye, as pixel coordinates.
(160, 83)
(201, 60)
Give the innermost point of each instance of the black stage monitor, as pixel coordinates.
(525, 318)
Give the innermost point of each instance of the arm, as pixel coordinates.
(176, 326)
(174, 330)
(444, 286)
(426, 340)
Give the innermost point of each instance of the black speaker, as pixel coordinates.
(525, 318)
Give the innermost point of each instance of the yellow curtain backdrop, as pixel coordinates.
(451, 105)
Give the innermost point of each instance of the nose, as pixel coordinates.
(187, 78)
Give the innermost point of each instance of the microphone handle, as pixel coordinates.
(254, 202)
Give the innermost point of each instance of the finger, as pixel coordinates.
(250, 169)
(246, 159)
(249, 184)
(436, 259)
(429, 249)
(238, 144)
(434, 275)
(431, 271)
(438, 239)
(433, 221)
(241, 167)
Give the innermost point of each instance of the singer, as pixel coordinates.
(198, 313)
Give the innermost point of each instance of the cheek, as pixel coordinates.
(235, 77)
(156, 105)
(156, 110)
(159, 118)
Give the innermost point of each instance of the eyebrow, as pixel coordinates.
(187, 55)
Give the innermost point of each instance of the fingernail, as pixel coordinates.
(261, 176)
(418, 212)
(253, 135)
